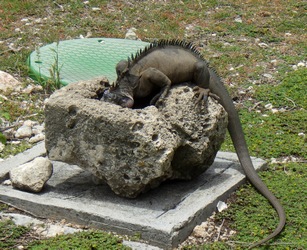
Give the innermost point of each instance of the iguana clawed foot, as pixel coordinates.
(202, 94)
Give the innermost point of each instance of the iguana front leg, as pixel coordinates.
(152, 77)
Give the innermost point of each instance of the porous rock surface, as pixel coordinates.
(32, 176)
(133, 150)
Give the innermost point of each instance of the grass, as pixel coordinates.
(231, 47)
(10, 234)
(89, 240)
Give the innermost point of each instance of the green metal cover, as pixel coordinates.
(82, 59)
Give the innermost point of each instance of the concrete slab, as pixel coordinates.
(164, 216)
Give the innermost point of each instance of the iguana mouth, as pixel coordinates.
(127, 102)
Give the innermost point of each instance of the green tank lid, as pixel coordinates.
(82, 59)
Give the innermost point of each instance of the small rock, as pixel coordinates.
(29, 123)
(88, 34)
(301, 64)
(190, 27)
(221, 206)
(2, 146)
(15, 142)
(273, 161)
(32, 89)
(238, 19)
(8, 82)
(282, 110)
(38, 20)
(263, 45)
(199, 231)
(7, 183)
(268, 106)
(269, 76)
(95, 9)
(250, 89)
(32, 176)
(274, 62)
(24, 220)
(37, 138)
(38, 129)
(24, 131)
(131, 35)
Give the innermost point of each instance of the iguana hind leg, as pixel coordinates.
(202, 94)
(202, 80)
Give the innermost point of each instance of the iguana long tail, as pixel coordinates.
(237, 136)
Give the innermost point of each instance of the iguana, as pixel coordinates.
(164, 63)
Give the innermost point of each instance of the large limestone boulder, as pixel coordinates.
(133, 150)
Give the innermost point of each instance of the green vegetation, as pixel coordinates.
(253, 217)
(2, 138)
(12, 149)
(288, 94)
(10, 234)
(53, 82)
(89, 240)
(243, 40)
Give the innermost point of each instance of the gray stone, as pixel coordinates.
(38, 129)
(21, 158)
(131, 35)
(8, 82)
(31, 176)
(22, 220)
(37, 138)
(133, 150)
(24, 131)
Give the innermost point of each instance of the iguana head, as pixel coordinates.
(115, 96)
(121, 93)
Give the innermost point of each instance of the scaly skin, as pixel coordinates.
(237, 136)
(171, 62)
